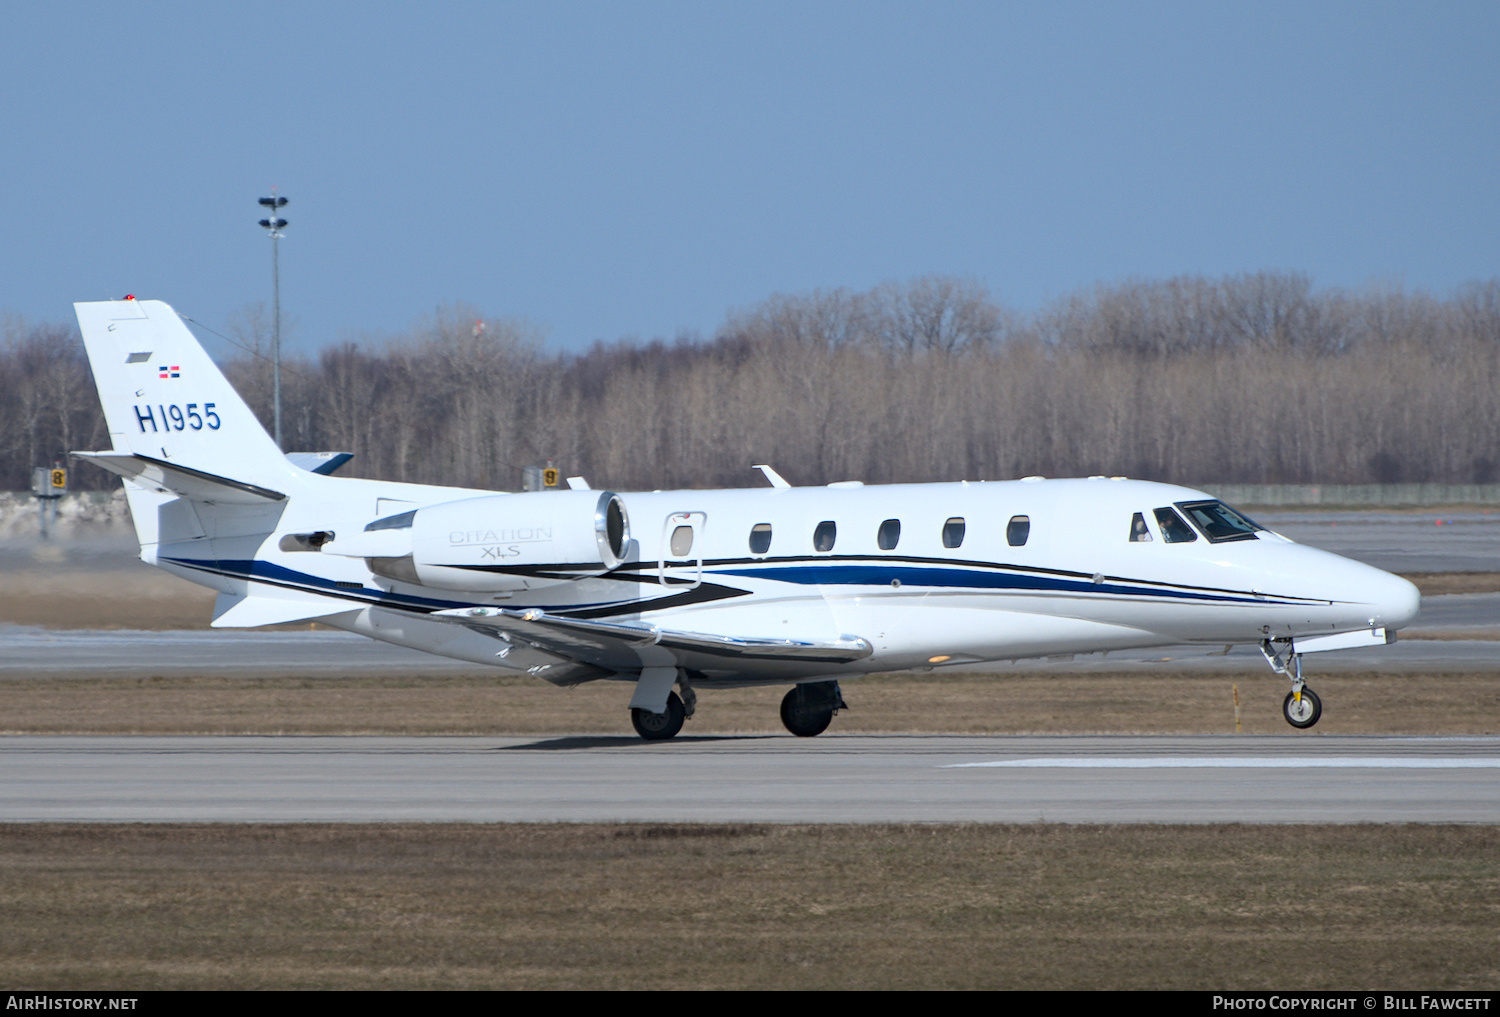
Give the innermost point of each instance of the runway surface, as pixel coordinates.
(834, 778)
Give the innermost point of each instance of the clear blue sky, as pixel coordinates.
(636, 169)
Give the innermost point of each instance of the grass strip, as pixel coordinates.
(749, 906)
(1016, 702)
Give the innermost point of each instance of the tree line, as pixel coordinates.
(1256, 378)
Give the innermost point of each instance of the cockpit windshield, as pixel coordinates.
(1218, 522)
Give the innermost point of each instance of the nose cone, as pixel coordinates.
(1396, 601)
(1360, 594)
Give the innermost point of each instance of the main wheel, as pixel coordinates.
(657, 727)
(1302, 714)
(805, 712)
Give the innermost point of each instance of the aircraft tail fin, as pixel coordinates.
(166, 400)
(196, 460)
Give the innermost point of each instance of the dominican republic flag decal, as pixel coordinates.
(169, 372)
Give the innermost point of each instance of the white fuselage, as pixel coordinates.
(1077, 583)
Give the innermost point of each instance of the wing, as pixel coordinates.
(625, 647)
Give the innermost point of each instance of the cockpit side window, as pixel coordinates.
(1173, 529)
(1139, 531)
(1218, 521)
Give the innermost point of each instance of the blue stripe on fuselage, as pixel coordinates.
(882, 575)
(829, 574)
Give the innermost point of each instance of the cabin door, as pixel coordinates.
(681, 562)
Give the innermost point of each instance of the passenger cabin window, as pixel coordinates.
(953, 532)
(1018, 530)
(889, 535)
(760, 538)
(682, 541)
(824, 536)
(1173, 529)
(1219, 522)
(1139, 531)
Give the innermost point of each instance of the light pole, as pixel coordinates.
(273, 227)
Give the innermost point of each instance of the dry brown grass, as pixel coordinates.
(1436, 584)
(968, 703)
(740, 906)
(139, 597)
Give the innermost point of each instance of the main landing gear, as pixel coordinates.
(1301, 707)
(656, 727)
(808, 709)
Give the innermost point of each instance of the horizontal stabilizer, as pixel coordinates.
(238, 612)
(615, 644)
(195, 485)
(319, 462)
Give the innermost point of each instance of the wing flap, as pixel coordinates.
(618, 645)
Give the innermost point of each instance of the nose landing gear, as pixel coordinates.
(1302, 707)
(1302, 711)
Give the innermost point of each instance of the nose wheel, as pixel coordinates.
(1301, 707)
(1302, 711)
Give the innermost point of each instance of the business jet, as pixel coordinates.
(674, 592)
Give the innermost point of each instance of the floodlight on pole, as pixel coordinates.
(273, 227)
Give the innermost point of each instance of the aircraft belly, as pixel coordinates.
(980, 631)
(445, 639)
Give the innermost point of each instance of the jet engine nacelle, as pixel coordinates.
(499, 543)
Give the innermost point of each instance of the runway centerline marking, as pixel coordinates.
(1240, 762)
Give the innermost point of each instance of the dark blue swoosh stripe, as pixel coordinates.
(881, 575)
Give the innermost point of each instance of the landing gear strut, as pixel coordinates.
(808, 709)
(1302, 707)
